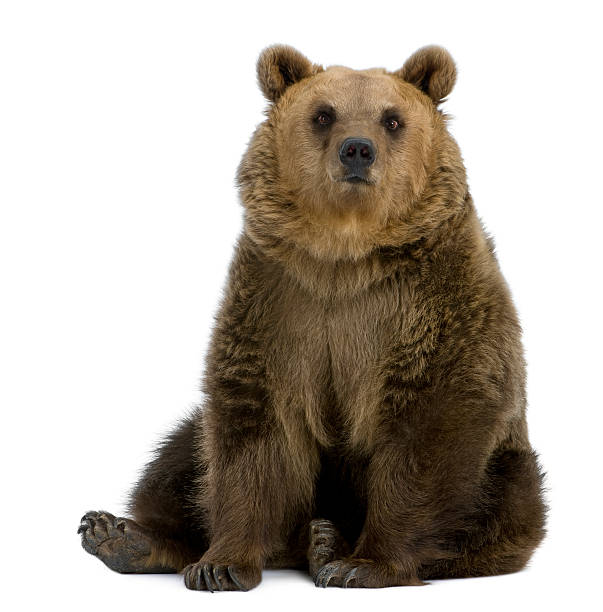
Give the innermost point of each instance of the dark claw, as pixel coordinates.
(210, 577)
(320, 574)
(330, 575)
(350, 576)
(217, 574)
(325, 574)
(190, 578)
(207, 577)
(233, 577)
(82, 528)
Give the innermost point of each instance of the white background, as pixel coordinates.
(121, 127)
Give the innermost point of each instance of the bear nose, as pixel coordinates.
(357, 153)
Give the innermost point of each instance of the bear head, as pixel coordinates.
(350, 160)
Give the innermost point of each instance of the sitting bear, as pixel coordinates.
(365, 408)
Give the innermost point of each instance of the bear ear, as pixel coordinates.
(432, 70)
(280, 66)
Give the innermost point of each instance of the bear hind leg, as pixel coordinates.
(166, 531)
(509, 527)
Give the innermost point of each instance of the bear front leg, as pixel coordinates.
(259, 473)
(253, 495)
(383, 554)
(424, 481)
(389, 550)
(255, 453)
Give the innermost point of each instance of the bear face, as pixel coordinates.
(345, 156)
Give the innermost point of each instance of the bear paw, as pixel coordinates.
(208, 576)
(121, 544)
(362, 573)
(326, 545)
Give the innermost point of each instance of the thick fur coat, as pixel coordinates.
(365, 412)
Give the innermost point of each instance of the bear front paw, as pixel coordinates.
(362, 573)
(209, 576)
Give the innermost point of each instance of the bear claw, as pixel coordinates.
(212, 577)
(341, 572)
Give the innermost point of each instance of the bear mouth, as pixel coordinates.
(355, 178)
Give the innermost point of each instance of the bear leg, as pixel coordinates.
(167, 531)
(509, 526)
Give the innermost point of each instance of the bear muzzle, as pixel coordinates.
(357, 155)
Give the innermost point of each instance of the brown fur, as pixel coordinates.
(366, 365)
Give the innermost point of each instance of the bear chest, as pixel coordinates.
(325, 362)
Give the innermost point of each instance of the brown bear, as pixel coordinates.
(365, 407)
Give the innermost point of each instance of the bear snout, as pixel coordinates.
(357, 154)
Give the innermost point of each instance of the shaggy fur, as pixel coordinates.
(365, 386)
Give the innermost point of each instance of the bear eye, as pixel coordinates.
(323, 118)
(392, 124)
